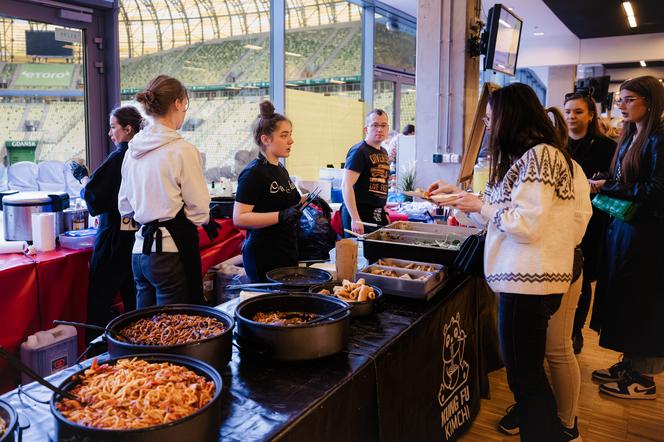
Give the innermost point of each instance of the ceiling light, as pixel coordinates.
(292, 54)
(643, 63)
(627, 6)
(538, 34)
(504, 23)
(254, 47)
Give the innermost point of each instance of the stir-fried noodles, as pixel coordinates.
(172, 329)
(135, 393)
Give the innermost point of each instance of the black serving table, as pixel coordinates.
(412, 371)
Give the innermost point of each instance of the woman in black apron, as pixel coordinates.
(266, 202)
(110, 265)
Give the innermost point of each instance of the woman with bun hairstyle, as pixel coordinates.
(164, 189)
(266, 200)
(593, 151)
(110, 265)
(629, 297)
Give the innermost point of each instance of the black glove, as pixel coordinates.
(212, 229)
(290, 216)
(78, 171)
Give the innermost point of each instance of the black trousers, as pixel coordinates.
(522, 324)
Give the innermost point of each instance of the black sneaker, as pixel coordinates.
(615, 373)
(577, 343)
(632, 386)
(509, 424)
(571, 434)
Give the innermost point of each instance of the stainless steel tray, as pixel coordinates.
(409, 288)
(432, 228)
(402, 263)
(446, 241)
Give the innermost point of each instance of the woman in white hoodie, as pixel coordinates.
(164, 189)
(537, 207)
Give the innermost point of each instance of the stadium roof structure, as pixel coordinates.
(149, 26)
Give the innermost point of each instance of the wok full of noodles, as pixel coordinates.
(145, 393)
(8, 421)
(201, 332)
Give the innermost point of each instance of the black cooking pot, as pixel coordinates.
(200, 426)
(298, 277)
(8, 414)
(215, 350)
(294, 342)
(360, 309)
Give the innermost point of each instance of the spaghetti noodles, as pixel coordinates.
(172, 329)
(134, 394)
(3, 426)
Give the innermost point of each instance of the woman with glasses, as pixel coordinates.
(164, 189)
(629, 298)
(536, 206)
(593, 151)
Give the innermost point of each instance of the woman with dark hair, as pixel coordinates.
(110, 265)
(266, 202)
(593, 151)
(536, 206)
(163, 187)
(629, 302)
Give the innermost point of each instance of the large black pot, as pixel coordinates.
(216, 350)
(360, 309)
(8, 414)
(295, 342)
(201, 426)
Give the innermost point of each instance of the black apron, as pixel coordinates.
(185, 236)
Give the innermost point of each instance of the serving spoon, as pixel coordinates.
(117, 335)
(13, 360)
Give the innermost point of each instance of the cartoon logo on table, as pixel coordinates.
(454, 392)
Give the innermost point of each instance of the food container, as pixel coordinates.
(298, 276)
(402, 263)
(215, 350)
(19, 207)
(360, 309)
(408, 288)
(434, 243)
(294, 342)
(8, 414)
(200, 426)
(78, 239)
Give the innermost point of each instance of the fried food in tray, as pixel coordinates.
(134, 393)
(393, 274)
(3, 426)
(351, 291)
(172, 329)
(284, 318)
(409, 266)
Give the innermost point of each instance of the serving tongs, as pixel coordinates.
(310, 198)
(13, 360)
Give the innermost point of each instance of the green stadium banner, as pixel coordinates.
(21, 150)
(40, 75)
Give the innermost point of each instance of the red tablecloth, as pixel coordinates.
(55, 285)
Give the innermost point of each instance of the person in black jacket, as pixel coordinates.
(110, 265)
(593, 151)
(629, 298)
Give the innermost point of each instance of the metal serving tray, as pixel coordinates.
(432, 228)
(402, 263)
(409, 288)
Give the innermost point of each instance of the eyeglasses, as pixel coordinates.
(381, 126)
(627, 100)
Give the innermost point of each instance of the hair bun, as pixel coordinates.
(266, 109)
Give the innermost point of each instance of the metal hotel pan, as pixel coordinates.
(402, 263)
(360, 309)
(408, 288)
(200, 426)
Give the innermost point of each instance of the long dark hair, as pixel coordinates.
(128, 116)
(593, 128)
(266, 122)
(519, 122)
(160, 94)
(652, 90)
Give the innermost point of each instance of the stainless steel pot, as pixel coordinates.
(19, 207)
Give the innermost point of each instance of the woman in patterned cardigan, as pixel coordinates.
(536, 206)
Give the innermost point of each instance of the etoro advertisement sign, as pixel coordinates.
(49, 75)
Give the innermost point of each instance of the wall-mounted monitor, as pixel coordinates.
(504, 36)
(44, 44)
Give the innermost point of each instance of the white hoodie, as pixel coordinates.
(160, 173)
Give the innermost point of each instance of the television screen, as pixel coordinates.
(503, 43)
(44, 44)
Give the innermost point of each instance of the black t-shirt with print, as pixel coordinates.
(373, 165)
(269, 189)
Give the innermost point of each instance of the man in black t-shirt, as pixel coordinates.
(364, 185)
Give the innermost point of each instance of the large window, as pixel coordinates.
(395, 40)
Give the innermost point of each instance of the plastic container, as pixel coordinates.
(78, 239)
(480, 174)
(49, 351)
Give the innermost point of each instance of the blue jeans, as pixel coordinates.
(522, 326)
(160, 279)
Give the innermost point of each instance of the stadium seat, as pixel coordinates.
(50, 176)
(22, 176)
